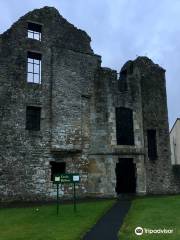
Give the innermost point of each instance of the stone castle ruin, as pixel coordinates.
(62, 112)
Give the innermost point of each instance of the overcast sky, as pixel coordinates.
(120, 30)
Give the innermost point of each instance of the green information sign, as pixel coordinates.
(67, 178)
(64, 178)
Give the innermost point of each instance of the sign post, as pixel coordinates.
(74, 184)
(76, 179)
(63, 179)
(57, 199)
(57, 181)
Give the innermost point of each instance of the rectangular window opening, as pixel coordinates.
(152, 144)
(34, 67)
(33, 117)
(57, 168)
(34, 31)
(124, 126)
(122, 82)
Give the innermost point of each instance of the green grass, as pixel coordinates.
(153, 213)
(29, 224)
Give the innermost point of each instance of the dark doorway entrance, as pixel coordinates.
(125, 176)
(57, 168)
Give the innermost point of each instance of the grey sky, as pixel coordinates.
(120, 30)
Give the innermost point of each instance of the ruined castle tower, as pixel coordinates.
(61, 112)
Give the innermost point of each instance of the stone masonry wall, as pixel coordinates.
(104, 151)
(78, 99)
(155, 116)
(25, 171)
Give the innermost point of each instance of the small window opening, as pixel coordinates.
(57, 168)
(33, 115)
(124, 126)
(34, 31)
(152, 145)
(122, 83)
(34, 67)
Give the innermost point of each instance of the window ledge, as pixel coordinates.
(34, 133)
(128, 149)
(67, 148)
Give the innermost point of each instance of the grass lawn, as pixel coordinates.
(29, 224)
(153, 213)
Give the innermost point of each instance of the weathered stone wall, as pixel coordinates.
(73, 75)
(105, 152)
(155, 116)
(78, 99)
(68, 68)
(146, 96)
(101, 168)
